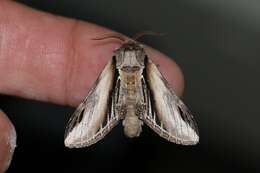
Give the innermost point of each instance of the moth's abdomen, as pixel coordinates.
(132, 126)
(131, 85)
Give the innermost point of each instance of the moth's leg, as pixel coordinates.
(114, 98)
(120, 108)
(149, 111)
(142, 105)
(140, 109)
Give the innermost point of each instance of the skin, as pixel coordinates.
(54, 59)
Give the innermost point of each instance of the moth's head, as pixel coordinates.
(130, 56)
(131, 53)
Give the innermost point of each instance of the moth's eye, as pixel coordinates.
(136, 68)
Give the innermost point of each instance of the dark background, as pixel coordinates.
(216, 43)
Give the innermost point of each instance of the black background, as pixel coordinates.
(216, 43)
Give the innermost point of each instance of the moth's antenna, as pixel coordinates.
(111, 36)
(141, 34)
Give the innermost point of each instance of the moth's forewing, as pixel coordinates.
(166, 114)
(95, 116)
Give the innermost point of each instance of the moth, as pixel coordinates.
(130, 88)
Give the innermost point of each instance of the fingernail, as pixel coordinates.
(7, 142)
(11, 143)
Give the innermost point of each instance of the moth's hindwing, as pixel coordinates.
(166, 113)
(95, 116)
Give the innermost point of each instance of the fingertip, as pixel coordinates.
(62, 64)
(7, 141)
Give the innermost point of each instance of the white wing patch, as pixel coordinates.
(95, 116)
(167, 115)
